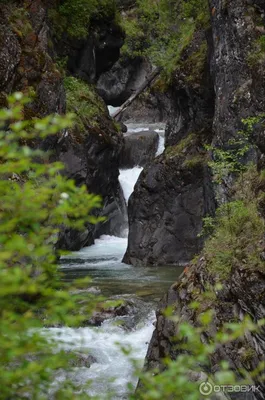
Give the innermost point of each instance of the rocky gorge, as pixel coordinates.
(217, 90)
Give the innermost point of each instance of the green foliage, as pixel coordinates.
(162, 29)
(182, 146)
(194, 65)
(84, 102)
(20, 22)
(35, 200)
(257, 53)
(236, 241)
(181, 377)
(238, 227)
(75, 17)
(208, 227)
(230, 160)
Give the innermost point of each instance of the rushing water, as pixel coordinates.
(112, 370)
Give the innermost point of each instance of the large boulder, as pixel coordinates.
(139, 149)
(122, 80)
(152, 106)
(166, 209)
(94, 161)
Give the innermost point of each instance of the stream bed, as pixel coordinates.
(112, 370)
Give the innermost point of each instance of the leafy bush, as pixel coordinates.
(237, 239)
(35, 200)
(75, 17)
(84, 102)
(162, 30)
(182, 376)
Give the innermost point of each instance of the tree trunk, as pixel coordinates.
(146, 83)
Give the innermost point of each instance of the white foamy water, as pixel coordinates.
(112, 370)
(161, 144)
(112, 110)
(128, 178)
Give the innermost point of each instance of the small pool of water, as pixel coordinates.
(102, 262)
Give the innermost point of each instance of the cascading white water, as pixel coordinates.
(103, 262)
(128, 178)
(113, 369)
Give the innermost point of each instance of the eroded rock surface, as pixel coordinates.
(139, 149)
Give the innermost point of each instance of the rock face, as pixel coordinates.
(243, 294)
(152, 106)
(26, 64)
(174, 193)
(219, 81)
(95, 163)
(139, 149)
(122, 80)
(236, 70)
(166, 211)
(24, 59)
(237, 66)
(91, 57)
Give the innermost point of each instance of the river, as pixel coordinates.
(112, 370)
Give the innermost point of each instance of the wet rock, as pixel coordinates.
(243, 293)
(166, 211)
(122, 80)
(95, 163)
(175, 191)
(125, 309)
(81, 360)
(127, 312)
(139, 149)
(150, 107)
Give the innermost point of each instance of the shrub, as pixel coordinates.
(163, 30)
(75, 17)
(35, 200)
(84, 102)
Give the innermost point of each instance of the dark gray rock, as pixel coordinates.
(152, 106)
(95, 163)
(122, 80)
(166, 211)
(242, 294)
(239, 81)
(174, 193)
(89, 58)
(139, 149)
(81, 360)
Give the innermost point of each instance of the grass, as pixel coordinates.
(237, 240)
(195, 63)
(181, 147)
(257, 54)
(84, 102)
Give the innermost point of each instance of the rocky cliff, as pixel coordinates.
(29, 47)
(218, 81)
(208, 111)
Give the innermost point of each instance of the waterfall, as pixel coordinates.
(112, 370)
(128, 178)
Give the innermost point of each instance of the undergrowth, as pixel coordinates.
(84, 102)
